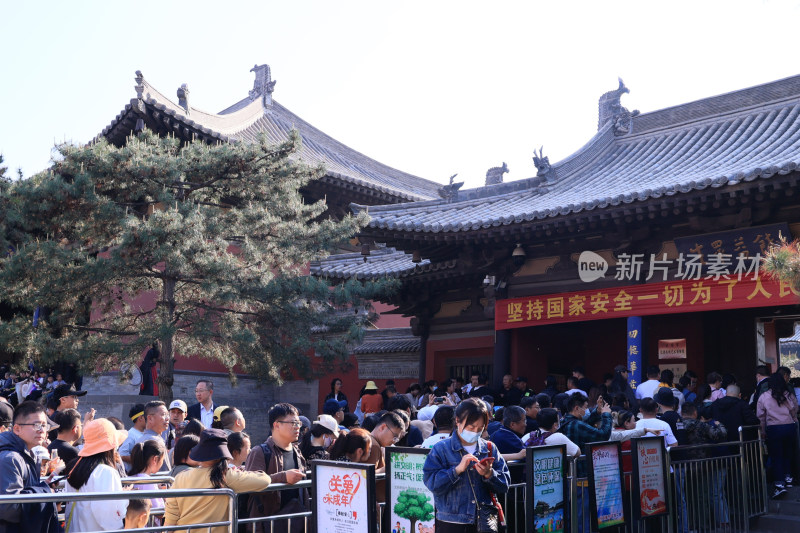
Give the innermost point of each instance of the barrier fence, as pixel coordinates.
(713, 487)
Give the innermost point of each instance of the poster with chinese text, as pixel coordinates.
(410, 503)
(605, 485)
(344, 497)
(547, 488)
(649, 477)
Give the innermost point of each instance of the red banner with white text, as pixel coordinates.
(680, 296)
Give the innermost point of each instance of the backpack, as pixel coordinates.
(538, 438)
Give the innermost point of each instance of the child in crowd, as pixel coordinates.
(138, 513)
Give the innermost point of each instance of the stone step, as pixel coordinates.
(787, 504)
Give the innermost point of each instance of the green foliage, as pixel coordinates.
(414, 506)
(218, 235)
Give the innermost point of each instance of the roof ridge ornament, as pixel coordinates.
(495, 174)
(263, 84)
(611, 110)
(139, 84)
(542, 164)
(183, 97)
(450, 192)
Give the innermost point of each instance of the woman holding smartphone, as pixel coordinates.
(464, 473)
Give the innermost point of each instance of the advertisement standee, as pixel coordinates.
(343, 497)
(546, 486)
(651, 497)
(606, 486)
(409, 504)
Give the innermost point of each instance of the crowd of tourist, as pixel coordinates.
(471, 429)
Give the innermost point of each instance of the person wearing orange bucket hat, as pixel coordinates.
(95, 471)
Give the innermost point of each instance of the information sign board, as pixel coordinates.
(547, 488)
(649, 477)
(409, 503)
(605, 485)
(344, 497)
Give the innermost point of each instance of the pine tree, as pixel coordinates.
(782, 263)
(219, 235)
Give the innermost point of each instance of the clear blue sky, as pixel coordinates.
(432, 88)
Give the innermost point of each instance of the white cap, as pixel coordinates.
(178, 404)
(328, 422)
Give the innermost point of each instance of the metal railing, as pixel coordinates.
(714, 487)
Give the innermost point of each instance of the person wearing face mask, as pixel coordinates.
(463, 472)
(318, 441)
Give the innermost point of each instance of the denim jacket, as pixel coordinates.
(452, 493)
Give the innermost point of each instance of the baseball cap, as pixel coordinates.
(620, 368)
(178, 404)
(522, 379)
(63, 391)
(328, 422)
(331, 406)
(664, 396)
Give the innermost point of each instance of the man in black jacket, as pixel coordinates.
(733, 412)
(19, 472)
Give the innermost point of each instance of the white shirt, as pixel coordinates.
(570, 392)
(433, 439)
(100, 515)
(655, 423)
(647, 389)
(206, 417)
(558, 438)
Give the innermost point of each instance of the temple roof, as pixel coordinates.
(388, 340)
(380, 263)
(258, 113)
(744, 136)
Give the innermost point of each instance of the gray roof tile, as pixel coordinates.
(724, 140)
(394, 340)
(247, 118)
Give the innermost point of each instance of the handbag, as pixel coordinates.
(490, 517)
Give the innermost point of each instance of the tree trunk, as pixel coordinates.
(166, 377)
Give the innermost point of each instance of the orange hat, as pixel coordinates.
(100, 436)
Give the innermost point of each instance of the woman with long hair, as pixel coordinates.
(354, 447)
(180, 454)
(777, 411)
(337, 394)
(464, 472)
(316, 442)
(146, 460)
(95, 471)
(213, 456)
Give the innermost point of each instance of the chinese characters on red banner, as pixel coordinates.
(679, 296)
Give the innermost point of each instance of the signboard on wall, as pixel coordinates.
(649, 477)
(635, 347)
(546, 488)
(605, 485)
(745, 241)
(344, 497)
(409, 503)
(672, 349)
(680, 296)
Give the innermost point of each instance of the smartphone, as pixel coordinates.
(438, 399)
(487, 460)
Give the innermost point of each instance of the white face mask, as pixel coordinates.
(327, 441)
(470, 437)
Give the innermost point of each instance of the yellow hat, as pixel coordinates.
(218, 412)
(370, 386)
